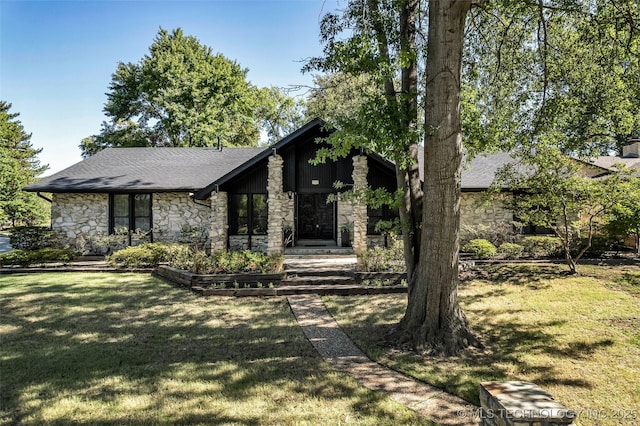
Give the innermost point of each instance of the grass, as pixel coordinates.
(578, 337)
(130, 349)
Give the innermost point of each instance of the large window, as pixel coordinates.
(248, 214)
(130, 212)
(383, 213)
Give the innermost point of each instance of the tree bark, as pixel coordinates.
(434, 321)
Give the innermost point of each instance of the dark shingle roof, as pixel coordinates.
(478, 174)
(608, 162)
(146, 169)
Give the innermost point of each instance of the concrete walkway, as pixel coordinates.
(339, 351)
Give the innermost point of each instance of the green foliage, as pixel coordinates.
(542, 246)
(26, 258)
(568, 72)
(624, 217)
(557, 193)
(19, 167)
(146, 255)
(482, 249)
(227, 262)
(511, 250)
(182, 94)
(34, 238)
(497, 234)
(380, 259)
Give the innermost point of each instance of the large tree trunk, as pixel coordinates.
(434, 322)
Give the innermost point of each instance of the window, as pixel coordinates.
(248, 214)
(130, 211)
(383, 213)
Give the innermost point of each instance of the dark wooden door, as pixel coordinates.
(315, 217)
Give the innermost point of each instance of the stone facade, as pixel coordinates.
(475, 211)
(219, 217)
(246, 242)
(174, 213)
(80, 216)
(360, 170)
(276, 205)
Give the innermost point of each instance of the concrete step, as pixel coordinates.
(318, 251)
(319, 280)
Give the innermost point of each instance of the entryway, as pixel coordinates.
(315, 220)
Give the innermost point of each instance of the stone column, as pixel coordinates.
(360, 170)
(219, 225)
(275, 200)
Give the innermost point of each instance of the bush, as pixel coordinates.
(542, 246)
(497, 234)
(480, 248)
(224, 262)
(34, 238)
(29, 257)
(146, 255)
(511, 250)
(379, 259)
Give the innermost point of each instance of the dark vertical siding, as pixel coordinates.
(289, 169)
(381, 177)
(307, 173)
(252, 181)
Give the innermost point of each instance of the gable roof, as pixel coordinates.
(607, 162)
(146, 170)
(314, 125)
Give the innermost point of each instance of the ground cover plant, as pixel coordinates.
(578, 337)
(127, 348)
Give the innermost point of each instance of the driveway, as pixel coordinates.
(4, 244)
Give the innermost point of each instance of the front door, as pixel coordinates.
(315, 217)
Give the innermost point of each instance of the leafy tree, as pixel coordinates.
(182, 94)
(624, 216)
(280, 114)
(518, 93)
(556, 194)
(19, 166)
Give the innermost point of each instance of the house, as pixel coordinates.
(242, 198)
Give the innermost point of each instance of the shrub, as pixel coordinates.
(29, 257)
(224, 262)
(511, 250)
(34, 238)
(145, 255)
(498, 233)
(480, 248)
(379, 259)
(542, 246)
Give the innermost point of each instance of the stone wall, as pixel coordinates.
(80, 216)
(175, 213)
(244, 242)
(276, 205)
(345, 216)
(475, 211)
(219, 225)
(360, 170)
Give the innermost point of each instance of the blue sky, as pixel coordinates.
(57, 57)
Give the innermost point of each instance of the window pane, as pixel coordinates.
(121, 211)
(259, 214)
(238, 215)
(143, 205)
(142, 209)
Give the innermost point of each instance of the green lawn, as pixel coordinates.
(577, 337)
(131, 349)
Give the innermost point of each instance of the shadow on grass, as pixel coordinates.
(113, 341)
(531, 275)
(508, 340)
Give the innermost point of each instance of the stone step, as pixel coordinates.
(318, 280)
(306, 252)
(347, 272)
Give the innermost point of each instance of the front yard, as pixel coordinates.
(130, 349)
(576, 337)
